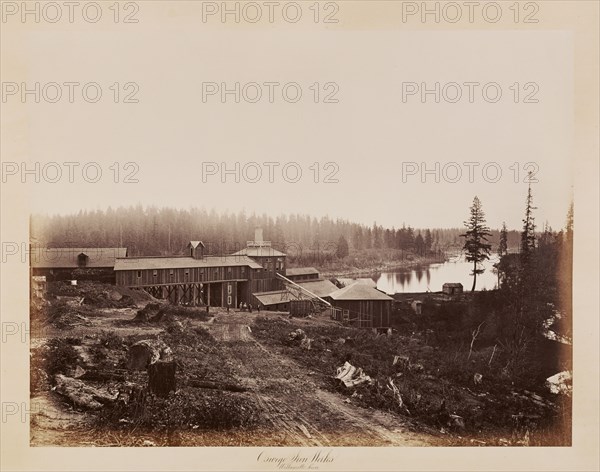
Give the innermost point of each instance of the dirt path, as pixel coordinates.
(294, 407)
(299, 411)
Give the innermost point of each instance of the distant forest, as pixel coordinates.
(149, 231)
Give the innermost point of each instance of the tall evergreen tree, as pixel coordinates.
(476, 247)
(342, 248)
(428, 241)
(503, 245)
(528, 233)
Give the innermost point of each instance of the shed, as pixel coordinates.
(452, 288)
(64, 263)
(297, 274)
(362, 306)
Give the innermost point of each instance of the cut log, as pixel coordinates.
(161, 378)
(147, 352)
(81, 394)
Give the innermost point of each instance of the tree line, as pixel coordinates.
(149, 231)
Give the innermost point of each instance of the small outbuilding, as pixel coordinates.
(451, 288)
(362, 306)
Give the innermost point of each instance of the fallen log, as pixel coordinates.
(81, 394)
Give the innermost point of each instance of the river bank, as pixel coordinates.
(379, 266)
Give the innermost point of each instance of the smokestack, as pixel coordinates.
(258, 235)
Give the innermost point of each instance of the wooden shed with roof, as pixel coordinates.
(84, 263)
(362, 306)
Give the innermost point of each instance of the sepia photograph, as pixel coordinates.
(312, 235)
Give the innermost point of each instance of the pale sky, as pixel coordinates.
(370, 135)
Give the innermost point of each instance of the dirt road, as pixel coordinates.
(293, 406)
(300, 412)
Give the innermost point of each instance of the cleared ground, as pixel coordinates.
(291, 405)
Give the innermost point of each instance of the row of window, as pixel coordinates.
(186, 273)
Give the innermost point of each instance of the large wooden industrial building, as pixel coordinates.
(256, 275)
(83, 263)
(199, 279)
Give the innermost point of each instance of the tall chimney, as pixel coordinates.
(258, 235)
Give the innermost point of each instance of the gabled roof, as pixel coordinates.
(321, 288)
(183, 262)
(301, 271)
(195, 244)
(362, 280)
(358, 291)
(67, 257)
(261, 251)
(272, 298)
(452, 284)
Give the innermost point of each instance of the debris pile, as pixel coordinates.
(351, 376)
(299, 337)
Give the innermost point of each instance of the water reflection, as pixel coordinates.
(432, 277)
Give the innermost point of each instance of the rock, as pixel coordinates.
(340, 341)
(115, 296)
(477, 379)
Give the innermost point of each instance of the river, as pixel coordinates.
(431, 277)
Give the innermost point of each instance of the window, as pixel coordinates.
(229, 289)
(187, 272)
(155, 273)
(139, 274)
(243, 271)
(171, 272)
(82, 260)
(229, 300)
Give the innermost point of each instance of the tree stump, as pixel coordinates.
(161, 378)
